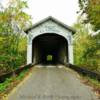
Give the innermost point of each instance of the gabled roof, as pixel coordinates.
(54, 20)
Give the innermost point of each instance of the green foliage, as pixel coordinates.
(8, 81)
(12, 42)
(5, 84)
(21, 75)
(15, 13)
(49, 57)
(12, 57)
(92, 81)
(87, 48)
(92, 9)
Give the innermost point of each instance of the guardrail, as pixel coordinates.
(17, 71)
(85, 71)
(81, 70)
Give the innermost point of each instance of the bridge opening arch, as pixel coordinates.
(50, 41)
(49, 48)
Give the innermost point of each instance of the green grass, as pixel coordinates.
(5, 84)
(92, 81)
(95, 82)
(8, 81)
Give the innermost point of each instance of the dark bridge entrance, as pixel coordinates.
(49, 48)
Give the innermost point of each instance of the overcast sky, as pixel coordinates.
(63, 10)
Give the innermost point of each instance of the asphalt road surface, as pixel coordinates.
(52, 83)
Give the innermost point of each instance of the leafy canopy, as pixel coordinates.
(92, 10)
(86, 47)
(12, 44)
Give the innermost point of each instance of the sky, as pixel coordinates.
(63, 10)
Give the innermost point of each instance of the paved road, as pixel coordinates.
(52, 83)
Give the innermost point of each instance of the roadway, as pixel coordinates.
(52, 83)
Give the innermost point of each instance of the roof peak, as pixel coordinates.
(55, 20)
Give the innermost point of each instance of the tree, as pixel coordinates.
(86, 47)
(13, 14)
(80, 41)
(91, 8)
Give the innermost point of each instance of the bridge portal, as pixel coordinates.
(50, 41)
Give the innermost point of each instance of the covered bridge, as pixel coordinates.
(50, 37)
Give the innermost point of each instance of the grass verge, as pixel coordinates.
(94, 83)
(11, 82)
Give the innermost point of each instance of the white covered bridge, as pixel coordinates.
(50, 37)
